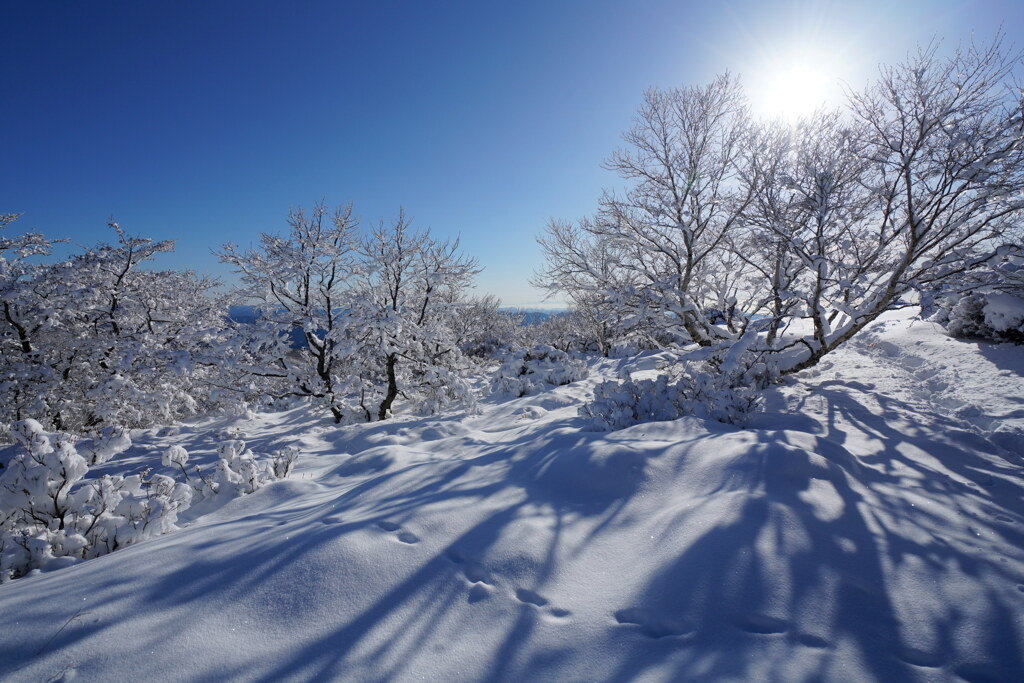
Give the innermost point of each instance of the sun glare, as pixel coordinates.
(792, 80)
(794, 91)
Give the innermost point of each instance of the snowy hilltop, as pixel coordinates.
(865, 526)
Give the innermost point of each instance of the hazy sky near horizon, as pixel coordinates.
(204, 122)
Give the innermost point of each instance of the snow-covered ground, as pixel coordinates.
(868, 526)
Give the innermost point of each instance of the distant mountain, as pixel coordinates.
(243, 314)
(534, 316)
(531, 316)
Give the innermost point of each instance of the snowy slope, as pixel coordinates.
(868, 526)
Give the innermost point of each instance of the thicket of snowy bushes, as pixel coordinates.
(728, 391)
(53, 514)
(533, 370)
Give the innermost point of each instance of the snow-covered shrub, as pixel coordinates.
(438, 388)
(1004, 313)
(177, 456)
(50, 517)
(536, 370)
(36, 483)
(995, 316)
(238, 467)
(619, 404)
(109, 442)
(699, 389)
(967, 318)
(239, 471)
(115, 511)
(282, 461)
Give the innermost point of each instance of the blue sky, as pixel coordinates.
(204, 122)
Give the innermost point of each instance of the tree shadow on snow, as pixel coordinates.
(825, 563)
(882, 577)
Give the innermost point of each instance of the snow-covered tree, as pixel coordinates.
(656, 253)
(584, 264)
(925, 180)
(96, 340)
(917, 182)
(355, 321)
(835, 220)
(412, 286)
(303, 283)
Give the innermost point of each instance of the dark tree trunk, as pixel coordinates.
(385, 405)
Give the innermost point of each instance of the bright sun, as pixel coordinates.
(794, 91)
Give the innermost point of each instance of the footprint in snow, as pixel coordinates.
(474, 571)
(531, 598)
(478, 592)
(651, 625)
(808, 640)
(916, 657)
(403, 535)
(538, 601)
(761, 624)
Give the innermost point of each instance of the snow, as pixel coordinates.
(1004, 311)
(869, 525)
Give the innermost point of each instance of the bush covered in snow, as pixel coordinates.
(698, 389)
(995, 316)
(239, 471)
(51, 516)
(535, 370)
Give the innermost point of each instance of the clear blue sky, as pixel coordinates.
(204, 121)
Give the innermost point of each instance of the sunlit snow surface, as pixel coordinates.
(869, 526)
